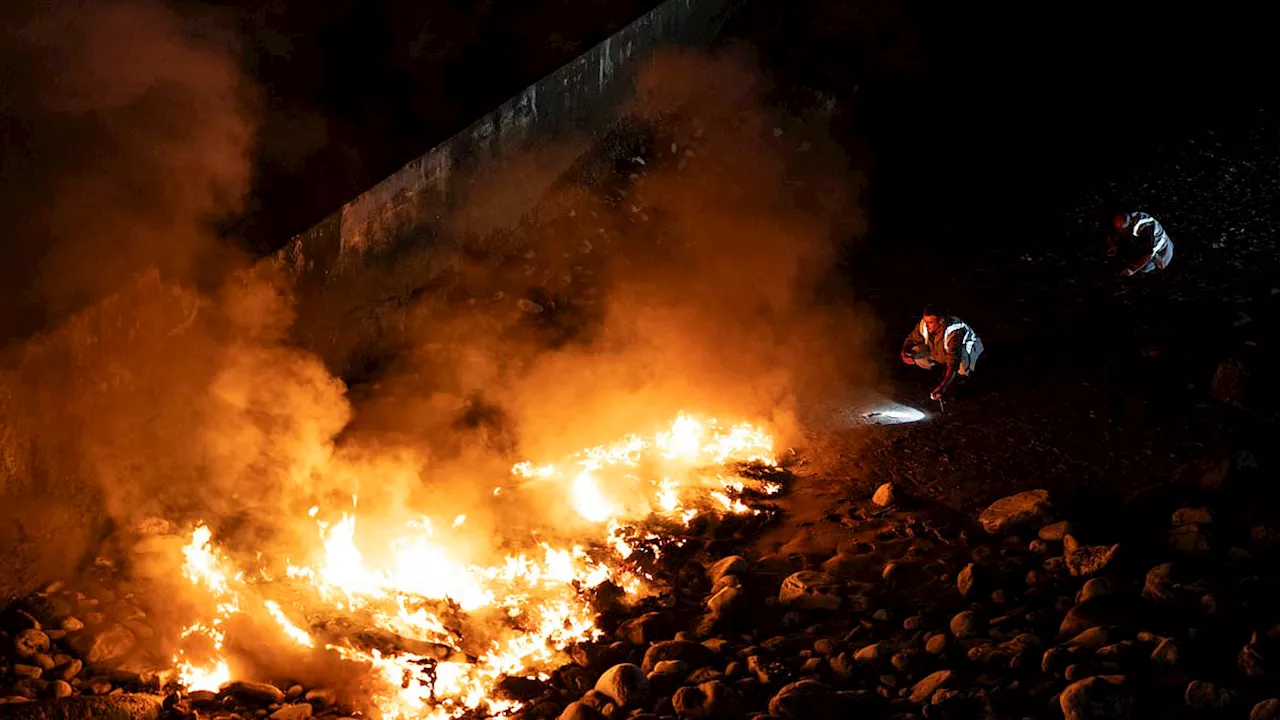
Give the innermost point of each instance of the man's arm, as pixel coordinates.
(914, 339)
(953, 365)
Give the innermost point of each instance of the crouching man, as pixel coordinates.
(942, 339)
(1140, 242)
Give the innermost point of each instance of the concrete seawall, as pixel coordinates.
(557, 118)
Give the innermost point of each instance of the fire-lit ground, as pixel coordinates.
(463, 627)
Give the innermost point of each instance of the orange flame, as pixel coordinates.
(534, 600)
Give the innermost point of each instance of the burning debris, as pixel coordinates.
(907, 615)
(432, 634)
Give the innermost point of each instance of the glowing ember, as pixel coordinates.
(416, 586)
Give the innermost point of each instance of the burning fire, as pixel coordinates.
(437, 632)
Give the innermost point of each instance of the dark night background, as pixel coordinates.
(990, 125)
(976, 113)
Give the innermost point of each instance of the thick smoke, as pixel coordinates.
(168, 387)
(160, 384)
(706, 284)
(127, 131)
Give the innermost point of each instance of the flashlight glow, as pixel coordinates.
(890, 413)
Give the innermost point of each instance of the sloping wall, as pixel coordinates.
(557, 118)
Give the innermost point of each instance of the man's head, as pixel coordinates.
(1120, 221)
(934, 318)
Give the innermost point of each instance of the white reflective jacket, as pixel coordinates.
(1145, 228)
(958, 341)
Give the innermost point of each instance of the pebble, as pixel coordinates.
(1054, 532)
(966, 624)
(1207, 696)
(321, 697)
(301, 711)
(1266, 710)
(1095, 588)
(937, 644)
(252, 692)
(1166, 654)
(99, 687)
(30, 643)
(901, 660)
(923, 690)
(885, 495)
(71, 669)
(202, 697)
(1097, 698)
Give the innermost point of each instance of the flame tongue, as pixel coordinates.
(405, 611)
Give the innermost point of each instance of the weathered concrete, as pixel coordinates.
(557, 117)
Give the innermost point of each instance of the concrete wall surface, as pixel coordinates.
(553, 121)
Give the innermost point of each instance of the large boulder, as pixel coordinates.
(106, 645)
(1013, 511)
(805, 700)
(810, 590)
(732, 565)
(625, 684)
(1102, 697)
(254, 693)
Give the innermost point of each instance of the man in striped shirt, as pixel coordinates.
(942, 339)
(1140, 242)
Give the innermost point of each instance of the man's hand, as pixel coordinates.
(936, 394)
(1127, 272)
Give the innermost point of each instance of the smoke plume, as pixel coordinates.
(707, 282)
(169, 388)
(127, 135)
